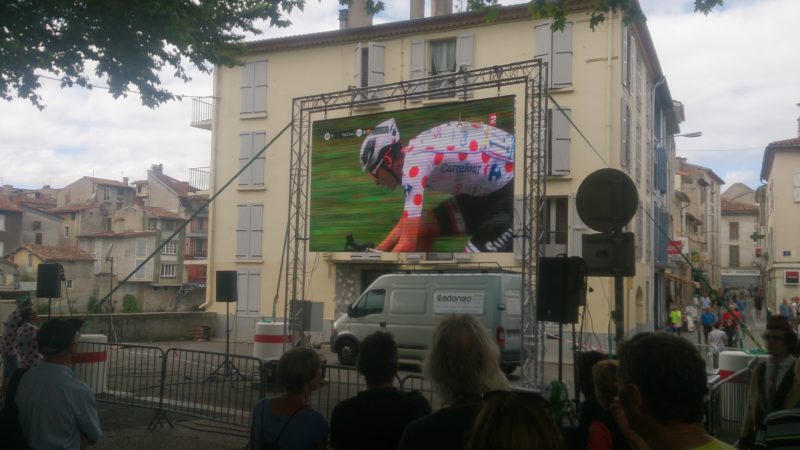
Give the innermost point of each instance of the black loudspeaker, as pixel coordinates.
(560, 289)
(48, 280)
(226, 286)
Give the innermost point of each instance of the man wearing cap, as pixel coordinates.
(772, 386)
(7, 342)
(56, 410)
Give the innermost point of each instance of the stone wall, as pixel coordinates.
(148, 327)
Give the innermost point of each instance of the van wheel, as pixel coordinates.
(508, 369)
(347, 352)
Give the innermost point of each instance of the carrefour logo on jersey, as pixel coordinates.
(460, 168)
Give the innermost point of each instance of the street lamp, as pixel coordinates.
(693, 134)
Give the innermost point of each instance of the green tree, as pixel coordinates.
(128, 44)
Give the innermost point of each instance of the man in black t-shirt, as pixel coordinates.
(375, 419)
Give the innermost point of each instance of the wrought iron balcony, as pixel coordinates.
(202, 112)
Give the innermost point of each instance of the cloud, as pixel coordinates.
(735, 70)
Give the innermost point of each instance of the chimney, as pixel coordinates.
(157, 168)
(441, 7)
(417, 9)
(357, 16)
(343, 19)
(125, 181)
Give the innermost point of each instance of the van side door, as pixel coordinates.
(368, 315)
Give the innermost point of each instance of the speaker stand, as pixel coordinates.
(227, 368)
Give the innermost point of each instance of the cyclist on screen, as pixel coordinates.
(472, 161)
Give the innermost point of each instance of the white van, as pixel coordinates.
(410, 306)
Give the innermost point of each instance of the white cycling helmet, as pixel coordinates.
(375, 146)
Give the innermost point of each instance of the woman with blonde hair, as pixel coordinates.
(515, 420)
(463, 362)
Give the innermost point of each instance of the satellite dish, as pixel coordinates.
(607, 200)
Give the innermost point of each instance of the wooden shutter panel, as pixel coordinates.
(562, 57)
(543, 45)
(624, 55)
(253, 292)
(257, 168)
(417, 64)
(623, 135)
(242, 292)
(560, 143)
(242, 231)
(638, 153)
(256, 229)
(260, 87)
(358, 74)
(465, 51)
(376, 63)
(245, 152)
(247, 88)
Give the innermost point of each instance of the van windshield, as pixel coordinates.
(370, 303)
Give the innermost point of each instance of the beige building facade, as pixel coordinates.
(739, 231)
(780, 170)
(608, 80)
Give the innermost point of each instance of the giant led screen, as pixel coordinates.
(433, 179)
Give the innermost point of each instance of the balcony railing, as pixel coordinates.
(199, 178)
(202, 112)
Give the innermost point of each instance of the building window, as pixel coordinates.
(120, 192)
(250, 144)
(141, 247)
(2, 222)
(638, 153)
(555, 49)
(370, 64)
(558, 146)
(38, 239)
(30, 260)
(140, 271)
(254, 87)
(200, 224)
(625, 134)
(168, 225)
(107, 223)
(69, 284)
(556, 225)
(66, 231)
(733, 256)
(733, 231)
(171, 248)
(152, 224)
(37, 225)
(249, 229)
(107, 194)
(72, 216)
(627, 54)
(168, 270)
(443, 56)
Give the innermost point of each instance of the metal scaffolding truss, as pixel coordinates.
(459, 86)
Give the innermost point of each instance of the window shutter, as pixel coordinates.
(632, 60)
(624, 55)
(242, 231)
(417, 64)
(796, 187)
(242, 292)
(562, 57)
(623, 134)
(376, 64)
(464, 51)
(648, 164)
(578, 229)
(260, 86)
(560, 143)
(661, 170)
(257, 168)
(245, 152)
(638, 153)
(543, 45)
(256, 229)
(254, 292)
(358, 74)
(247, 88)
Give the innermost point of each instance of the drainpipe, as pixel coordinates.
(658, 296)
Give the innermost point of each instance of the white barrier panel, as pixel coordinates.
(268, 340)
(91, 361)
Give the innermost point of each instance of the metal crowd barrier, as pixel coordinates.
(726, 406)
(208, 385)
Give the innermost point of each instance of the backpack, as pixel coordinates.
(275, 445)
(10, 427)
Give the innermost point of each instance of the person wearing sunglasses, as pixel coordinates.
(772, 386)
(514, 420)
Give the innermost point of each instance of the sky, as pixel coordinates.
(736, 72)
